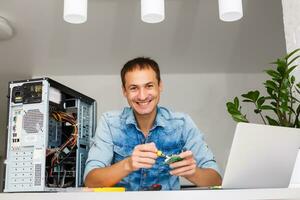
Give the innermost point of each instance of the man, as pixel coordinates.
(124, 150)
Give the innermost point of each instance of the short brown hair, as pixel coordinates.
(140, 63)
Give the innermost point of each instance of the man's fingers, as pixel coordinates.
(145, 160)
(149, 147)
(181, 170)
(186, 162)
(144, 156)
(186, 154)
(147, 155)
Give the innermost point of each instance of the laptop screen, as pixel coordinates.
(261, 156)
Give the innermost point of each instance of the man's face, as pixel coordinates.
(142, 90)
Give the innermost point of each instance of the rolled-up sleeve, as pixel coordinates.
(101, 148)
(194, 141)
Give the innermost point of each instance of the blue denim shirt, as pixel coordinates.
(118, 133)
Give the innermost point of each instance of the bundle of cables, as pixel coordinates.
(70, 142)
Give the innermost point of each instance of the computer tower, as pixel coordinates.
(48, 133)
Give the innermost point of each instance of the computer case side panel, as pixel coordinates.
(27, 136)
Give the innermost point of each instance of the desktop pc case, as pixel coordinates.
(48, 134)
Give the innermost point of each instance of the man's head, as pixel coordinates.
(141, 85)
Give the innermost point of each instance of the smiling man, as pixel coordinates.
(125, 146)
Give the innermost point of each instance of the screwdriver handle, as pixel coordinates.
(160, 154)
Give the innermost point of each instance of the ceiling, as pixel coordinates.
(192, 39)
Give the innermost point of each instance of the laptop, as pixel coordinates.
(261, 156)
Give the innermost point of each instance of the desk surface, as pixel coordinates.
(157, 195)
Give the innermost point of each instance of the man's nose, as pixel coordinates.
(142, 94)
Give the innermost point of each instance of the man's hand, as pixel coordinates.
(143, 156)
(186, 167)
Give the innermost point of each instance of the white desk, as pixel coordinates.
(162, 195)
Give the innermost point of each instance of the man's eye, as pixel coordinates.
(132, 88)
(150, 86)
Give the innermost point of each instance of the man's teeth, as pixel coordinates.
(143, 103)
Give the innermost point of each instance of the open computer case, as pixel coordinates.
(48, 133)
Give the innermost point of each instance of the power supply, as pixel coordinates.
(48, 133)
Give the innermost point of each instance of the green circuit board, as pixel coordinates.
(172, 159)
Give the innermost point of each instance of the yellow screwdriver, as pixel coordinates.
(161, 154)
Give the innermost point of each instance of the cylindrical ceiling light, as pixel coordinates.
(152, 11)
(75, 11)
(230, 10)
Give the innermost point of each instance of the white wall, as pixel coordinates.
(203, 96)
(291, 20)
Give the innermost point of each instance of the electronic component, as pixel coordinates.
(169, 159)
(49, 130)
(172, 159)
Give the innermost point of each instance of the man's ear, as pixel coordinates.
(124, 91)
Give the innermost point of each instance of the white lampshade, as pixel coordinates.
(75, 11)
(152, 11)
(230, 10)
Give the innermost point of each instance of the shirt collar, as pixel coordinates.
(159, 119)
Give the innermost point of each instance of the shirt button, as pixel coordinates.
(145, 174)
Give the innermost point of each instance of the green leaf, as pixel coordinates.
(271, 84)
(290, 69)
(268, 98)
(278, 62)
(267, 107)
(293, 79)
(230, 105)
(284, 92)
(239, 118)
(295, 58)
(232, 109)
(252, 95)
(273, 73)
(271, 93)
(281, 67)
(260, 101)
(290, 54)
(247, 100)
(236, 102)
(285, 83)
(274, 103)
(284, 108)
(272, 121)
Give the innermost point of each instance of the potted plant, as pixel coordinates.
(281, 103)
